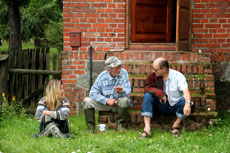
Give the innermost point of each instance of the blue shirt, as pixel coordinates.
(103, 88)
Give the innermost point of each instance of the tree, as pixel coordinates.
(14, 22)
(37, 17)
(30, 19)
(54, 34)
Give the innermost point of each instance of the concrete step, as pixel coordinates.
(134, 120)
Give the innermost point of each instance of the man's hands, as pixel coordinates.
(163, 99)
(111, 102)
(187, 109)
(187, 97)
(118, 89)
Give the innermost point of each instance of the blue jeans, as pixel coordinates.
(152, 105)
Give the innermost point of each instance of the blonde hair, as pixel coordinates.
(53, 94)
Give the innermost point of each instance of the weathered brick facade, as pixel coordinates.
(102, 26)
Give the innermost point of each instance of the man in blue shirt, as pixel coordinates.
(110, 92)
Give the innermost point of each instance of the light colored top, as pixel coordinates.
(61, 113)
(175, 84)
(103, 88)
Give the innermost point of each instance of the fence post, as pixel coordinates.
(3, 76)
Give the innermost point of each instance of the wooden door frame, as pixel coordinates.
(164, 46)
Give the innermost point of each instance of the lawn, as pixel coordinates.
(15, 137)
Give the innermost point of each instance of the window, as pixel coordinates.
(165, 23)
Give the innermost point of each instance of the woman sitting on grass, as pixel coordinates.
(52, 111)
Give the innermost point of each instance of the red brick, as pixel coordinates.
(221, 35)
(79, 5)
(199, 6)
(99, 5)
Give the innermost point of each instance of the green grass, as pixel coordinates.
(4, 46)
(15, 138)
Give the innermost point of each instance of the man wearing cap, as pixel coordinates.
(166, 92)
(110, 92)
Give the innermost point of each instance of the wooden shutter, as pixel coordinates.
(183, 25)
(151, 20)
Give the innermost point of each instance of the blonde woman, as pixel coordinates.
(53, 110)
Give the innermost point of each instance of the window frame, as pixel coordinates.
(183, 30)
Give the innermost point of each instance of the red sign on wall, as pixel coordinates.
(75, 39)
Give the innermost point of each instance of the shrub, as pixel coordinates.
(12, 109)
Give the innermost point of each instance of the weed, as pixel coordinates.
(11, 109)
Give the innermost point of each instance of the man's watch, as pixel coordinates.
(189, 102)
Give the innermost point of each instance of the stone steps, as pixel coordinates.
(193, 122)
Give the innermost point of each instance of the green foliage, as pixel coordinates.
(15, 2)
(4, 26)
(12, 109)
(37, 17)
(54, 35)
(40, 19)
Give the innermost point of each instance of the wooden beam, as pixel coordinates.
(127, 25)
(38, 72)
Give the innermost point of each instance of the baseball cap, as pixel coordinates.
(112, 62)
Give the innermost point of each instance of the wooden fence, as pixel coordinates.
(29, 72)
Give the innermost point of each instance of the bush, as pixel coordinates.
(12, 109)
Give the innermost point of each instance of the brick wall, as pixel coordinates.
(211, 28)
(102, 25)
(211, 33)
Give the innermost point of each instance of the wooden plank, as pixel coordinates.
(183, 25)
(26, 76)
(3, 76)
(29, 67)
(17, 84)
(59, 66)
(40, 77)
(33, 77)
(32, 95)
(47, 49)
(44, 66)
(37, 51)
(47, 66)
(35, 72)
(54, 62)
(127, 25)
(22, 77)
(59, 61)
